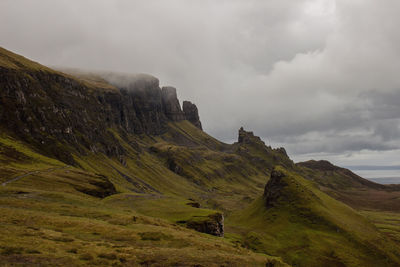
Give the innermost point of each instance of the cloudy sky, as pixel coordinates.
(319, 77)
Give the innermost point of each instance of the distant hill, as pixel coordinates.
(350, 188)
(373, 167)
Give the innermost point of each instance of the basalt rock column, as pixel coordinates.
(192, 114)
(171, 106)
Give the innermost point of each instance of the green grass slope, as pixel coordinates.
(53, 228)
(309, 228)
(387, 222)
(58, 215)
(10, 60)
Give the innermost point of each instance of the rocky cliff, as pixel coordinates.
(192, 114)
(56, 111)
(172, 108)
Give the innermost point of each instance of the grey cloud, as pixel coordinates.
(315, 76)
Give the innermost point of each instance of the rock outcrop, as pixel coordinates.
(213, 224)
(254, 149)
(273, 188)
(248, 137)
(171, 106)
(192, 114)
(282, 151)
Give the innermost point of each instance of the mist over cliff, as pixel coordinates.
(319, 77)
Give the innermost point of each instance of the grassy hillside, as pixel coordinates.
(61, 228)
(59, 215)
(386, 222)
(10, 60)
(94, 175)
(308, 228)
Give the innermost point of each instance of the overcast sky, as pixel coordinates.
(319, 77)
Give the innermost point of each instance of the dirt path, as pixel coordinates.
(30, 173)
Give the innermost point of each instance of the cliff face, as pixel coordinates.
(136, 104)
(171, 106)
(51, 109)
(192, 114)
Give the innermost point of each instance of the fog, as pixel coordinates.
(319, 77)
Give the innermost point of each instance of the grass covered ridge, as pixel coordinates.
(307, 227)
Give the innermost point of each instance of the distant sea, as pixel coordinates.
(378, 174)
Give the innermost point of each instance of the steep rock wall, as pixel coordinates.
(57, 112)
